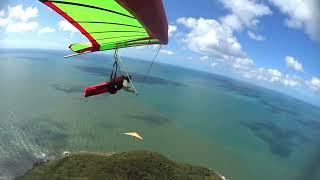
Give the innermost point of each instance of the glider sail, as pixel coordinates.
(113, 24)
(134, 135)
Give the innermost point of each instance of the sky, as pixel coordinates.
(272, 43)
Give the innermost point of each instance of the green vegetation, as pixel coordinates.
(139, 165)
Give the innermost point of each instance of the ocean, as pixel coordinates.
(240, 130)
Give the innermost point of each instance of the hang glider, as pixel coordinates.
(134, 135)
(111, 25)
(114, 24)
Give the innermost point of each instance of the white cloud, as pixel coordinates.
(46, 30)
(4, 22)
(271, 76)
(189, 58)
(1, 13)
(275, 72)
(314, 84)
(256, 37)
(24, 15)
(232, 21)
(64, 25)
(204, 58)
(260, 74)
(290, 82)
(172, 30)
(167, 52)
(17, 19)
(216, 42)
(244, 12)
(293, 63)
(274, 75)
(302, 14)
(22, 26)
(208, 36)
(213, 64)
(244, 61)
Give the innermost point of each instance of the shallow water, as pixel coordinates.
(240, 130)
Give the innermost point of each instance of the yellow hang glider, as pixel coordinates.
(134, 135)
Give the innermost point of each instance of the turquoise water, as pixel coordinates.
(240, 130)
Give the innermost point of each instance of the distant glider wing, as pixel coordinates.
(113, 24)
(134, 134)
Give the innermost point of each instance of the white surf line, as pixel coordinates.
(19, 143)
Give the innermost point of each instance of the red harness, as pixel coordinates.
(111, 87)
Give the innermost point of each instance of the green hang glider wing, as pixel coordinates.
(113, 24)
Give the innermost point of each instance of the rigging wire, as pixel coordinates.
(148, 72)
(117, 58)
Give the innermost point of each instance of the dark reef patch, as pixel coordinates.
(281, 141)
(237, 87)
(279, 108)
(30, 58)
(153, 120)
(311, 170)
(312, 124)
(106, 125)
(69, 89)
(275, 102)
